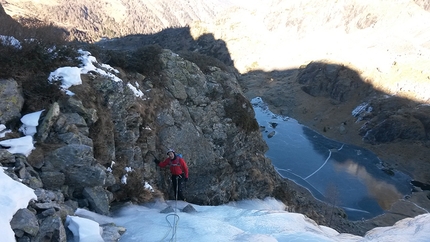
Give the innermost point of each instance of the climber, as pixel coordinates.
(179, 170)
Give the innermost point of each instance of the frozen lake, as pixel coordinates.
(345, 175)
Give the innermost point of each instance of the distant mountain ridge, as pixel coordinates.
(89, 21)
(387, 41)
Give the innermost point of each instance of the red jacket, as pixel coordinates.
(177, 166)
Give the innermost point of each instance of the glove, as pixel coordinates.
(186, 179)
(156, 161)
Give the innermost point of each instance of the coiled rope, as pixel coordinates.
(174, 225)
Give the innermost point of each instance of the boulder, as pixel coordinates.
(11, 100)
(24, 221)
(52, 180)
(47, 122)
(51, 229)
(83, 176)
(71, 155)
(98, 199)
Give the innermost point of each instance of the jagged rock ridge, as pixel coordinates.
(85, 142)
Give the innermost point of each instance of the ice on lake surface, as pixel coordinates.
(345, 175)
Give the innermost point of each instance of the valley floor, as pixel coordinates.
(284, 96)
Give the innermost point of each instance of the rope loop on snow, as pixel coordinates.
(174, 225)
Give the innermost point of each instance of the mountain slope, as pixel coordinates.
(387, 41)
(383, 44)
(88, 20)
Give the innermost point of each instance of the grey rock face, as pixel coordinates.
(84, 176)
(98, 199)
(11, 100)
(53, 180)
(328, 80)
(73, 155)
(72, 138)
(88, 152)
(51, 229)
(73, 105)
(6, 157)
(390, 119)
(24, 221)
(48, 121)
(224, 160)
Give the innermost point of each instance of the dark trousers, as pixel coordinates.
(178, 186)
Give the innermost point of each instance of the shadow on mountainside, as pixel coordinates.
(25, 58)
(330, 98)
(175, 39)
(320, 95)
(334, 101)
(30, 29)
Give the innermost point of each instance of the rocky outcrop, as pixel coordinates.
(387, 119)
(11, 101)
(329, 80)
(98, 146)
(384, 118)
(58, 176)
(225, 158)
